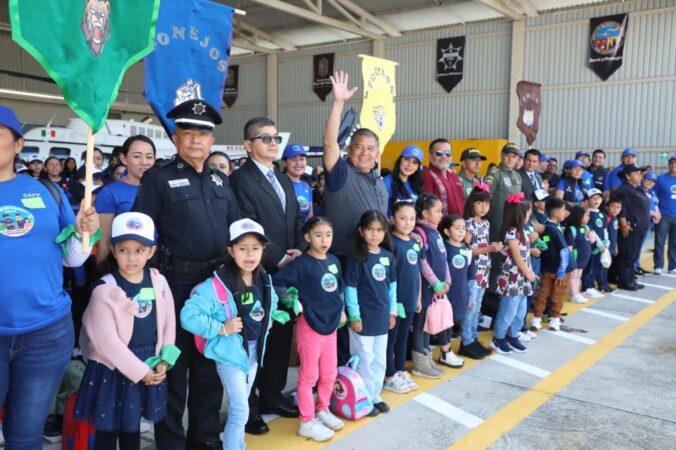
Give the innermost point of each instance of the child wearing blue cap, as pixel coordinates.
(295, 163)
(406, 180)
(648, 185)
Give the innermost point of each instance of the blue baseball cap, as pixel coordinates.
(572, 163)
(412, 151)
(629, 152)
(672, 158)
(544, 157)
(582, 153)
(293, 150)
(9, 120)
(650, 176)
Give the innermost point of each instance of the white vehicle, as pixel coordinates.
(71, 141)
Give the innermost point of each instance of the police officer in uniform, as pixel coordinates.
(634, 221)
(504, 181)
(192, 206)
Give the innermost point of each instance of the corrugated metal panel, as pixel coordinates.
(634, 107)
(231, 131)
(583, 14)
(609, 116)
(559, 55)
(10, 59)
(497, 26)
(252, 82)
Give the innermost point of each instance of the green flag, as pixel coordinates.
(86, 46)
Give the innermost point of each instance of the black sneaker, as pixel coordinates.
(516, 344)
(471, 351)
(501, 346)
(608, 289)
(382, 407)
(485, 350)
(374, 412)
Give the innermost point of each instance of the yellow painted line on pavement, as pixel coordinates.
(496, 426)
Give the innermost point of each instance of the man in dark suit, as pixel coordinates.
(531, 180)
(267, 197)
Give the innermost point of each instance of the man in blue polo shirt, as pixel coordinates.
(613, 180)
(665, 188)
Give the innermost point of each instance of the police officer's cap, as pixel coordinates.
(195, 114)
(629, 169)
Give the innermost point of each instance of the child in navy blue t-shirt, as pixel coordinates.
(460, 264)
(582, 239)
(315, 281)
(613, 208)
(436, 282)
(597, 224)
(407, 263)
(371, 298)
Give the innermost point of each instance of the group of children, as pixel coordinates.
(407, 282)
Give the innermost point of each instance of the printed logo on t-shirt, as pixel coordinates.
(458, 261)
(14, 221)
(143, 303)
(329, 282)
(615, 225)
(257, 312)
(440, 244)
(412, 256)
(303, 203)
(379, 273)
(599, 222)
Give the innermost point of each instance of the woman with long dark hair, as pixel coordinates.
(406, 180)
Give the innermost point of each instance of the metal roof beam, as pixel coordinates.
(345, 13)
(500, 7)
(246, 45)
(316, 7)
(386, 27)
(258, 33)
(527, 7)
(314, 17)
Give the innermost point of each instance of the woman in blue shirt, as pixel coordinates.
(295, 160)
(406, 180)
(39, 234)
(137, 155)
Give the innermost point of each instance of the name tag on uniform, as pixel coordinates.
(385, 261)
(464, 252)
(179, 183)
(333, 269)
(33, 203)
(147, 294)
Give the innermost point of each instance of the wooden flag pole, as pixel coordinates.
(89, 181)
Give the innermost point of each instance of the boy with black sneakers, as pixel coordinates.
(555, 266)
(613, 208)
(597, 224)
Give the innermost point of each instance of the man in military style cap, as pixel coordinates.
(192, 206)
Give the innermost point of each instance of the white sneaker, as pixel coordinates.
(523, 337)
(593, 293)
(396, 384)
(409, 381)
(315, 430)
(536, 322)
(449, 359)
(658, 271)
(329, 420)
(578, 298)
(531, 335)
(672, 271)
(555, 324)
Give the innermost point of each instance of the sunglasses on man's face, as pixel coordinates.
(441, 153)
(267, 139)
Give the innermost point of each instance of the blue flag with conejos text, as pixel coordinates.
(191, 57)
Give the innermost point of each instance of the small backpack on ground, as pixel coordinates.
(77, 434)
(350, 399)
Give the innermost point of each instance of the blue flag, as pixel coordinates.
(191, 57)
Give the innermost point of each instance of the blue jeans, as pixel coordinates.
(511, 314)
(32, 364)
(237, 386)
(397, 341)
(470, 322)
(592, 274)
(666, 228)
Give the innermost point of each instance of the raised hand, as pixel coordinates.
(340, 90)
